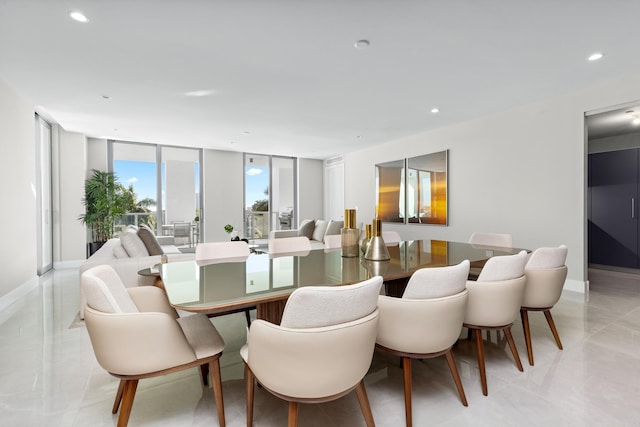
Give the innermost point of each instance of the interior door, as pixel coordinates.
(613, 213)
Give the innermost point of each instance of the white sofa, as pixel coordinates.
(315, 230)
(127, 266)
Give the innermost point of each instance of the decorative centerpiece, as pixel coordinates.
(350, 235)
(377, 250)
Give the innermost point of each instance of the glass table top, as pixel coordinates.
(222, 285)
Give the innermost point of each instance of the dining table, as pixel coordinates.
(265, 280)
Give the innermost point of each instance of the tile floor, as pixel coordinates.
(49, 376)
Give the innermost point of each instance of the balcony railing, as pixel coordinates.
(256, 224)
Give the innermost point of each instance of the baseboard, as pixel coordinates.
(16, 294)
(61, 265)
(576, 286)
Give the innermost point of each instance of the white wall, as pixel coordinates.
(310, 189)
(223, 189)
(18, 254)
(520, 172)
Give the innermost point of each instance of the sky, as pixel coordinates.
(143, 177)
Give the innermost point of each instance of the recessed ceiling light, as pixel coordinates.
(361, 44)
(595, 56)
(106, 97)
(78, 16)
(246, 132)
(435, 110)
(199, 93)
(636, 121)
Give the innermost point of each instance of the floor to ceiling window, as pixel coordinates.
(165, 182)
(43, 192)
(270, 194)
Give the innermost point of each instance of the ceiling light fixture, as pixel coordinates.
(78, 16)
(636, 121)
(435, 110)
(595, 56)
(199, 93)
(361, 44)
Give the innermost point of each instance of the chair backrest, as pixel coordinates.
(546, 273)
(421, 326)
(391, 237)
(324, 345)
(544, 258)
(105, 292)
(491, 239)
(503, 267)
(317, 306)
(289, 245)
(437, 282)
(222, 250)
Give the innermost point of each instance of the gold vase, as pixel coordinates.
(377, 249)
(367, 238)
(350, 235)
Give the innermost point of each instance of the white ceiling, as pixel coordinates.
(287, 72)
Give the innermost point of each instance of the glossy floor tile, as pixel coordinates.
(49, 375)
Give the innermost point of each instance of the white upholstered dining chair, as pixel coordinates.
(136, 334)
(494, 303)
(425, 322)
(546, 273)
(320, 352)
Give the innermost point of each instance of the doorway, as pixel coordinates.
(613, 188)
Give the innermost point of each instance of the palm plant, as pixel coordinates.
(105, 201)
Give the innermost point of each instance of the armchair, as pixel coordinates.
(425, 322)
(136, 334)
(320, 352)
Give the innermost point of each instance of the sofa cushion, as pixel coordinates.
(149, 240)
(133, 244)
(306, 228)
(334, 227)
(119, 252)
(319, 230)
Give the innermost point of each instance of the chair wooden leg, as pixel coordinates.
(552, 325)
(293, 414)
(250, 384)
(116, 403)
(363, 400)
(524, 315)
(128, 395)
(247, 315)
(512, 346)
(451, 361)
(406, 379)
(480, 351)
(204, 374)
(216, 382)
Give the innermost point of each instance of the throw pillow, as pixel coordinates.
(334, 227)
(306, 228)
(119, 252)
(150, 241)
(319, 230)
(133, 244)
